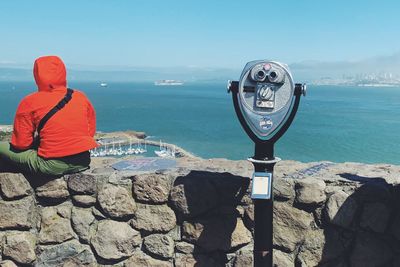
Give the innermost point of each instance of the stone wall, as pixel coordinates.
(200, 214)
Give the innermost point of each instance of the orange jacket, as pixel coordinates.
(70, 131)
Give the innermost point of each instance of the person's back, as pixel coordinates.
(67, 135)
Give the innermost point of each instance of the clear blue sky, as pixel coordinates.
(200, 33)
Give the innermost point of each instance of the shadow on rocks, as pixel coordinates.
(361, 226)
(39, 180)
(206, 206)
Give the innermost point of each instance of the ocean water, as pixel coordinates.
(333, 123)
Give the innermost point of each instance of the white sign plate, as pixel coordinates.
(262, 184)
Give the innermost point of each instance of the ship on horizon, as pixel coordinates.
(168, 82)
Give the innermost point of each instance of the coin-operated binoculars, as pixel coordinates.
(266, 101)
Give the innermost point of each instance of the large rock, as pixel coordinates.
(216, 233)
(18, 214)
(243, 258)
(84, 200)
(14, 185)
(140, 259)
(123, 178)
(116, 201)
(375, 217)
(340, 209)
(115, 240)
(284, 189)
(290, 226)
(175, 233)
(282, 259)
(55, 225)
(311, 251)
(70, 253)
(151, 188)
(154, 218)
(310, 191)
(369, 251)
(241, 235)
(184, 247)
(20, 247)
(82, 184)
(54, 189)
(159, 245)
(193, 195)
(7, 263)
(82, 219)
(103, 170)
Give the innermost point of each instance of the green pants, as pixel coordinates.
(29, 162)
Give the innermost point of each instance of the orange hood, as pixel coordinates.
(50, 73)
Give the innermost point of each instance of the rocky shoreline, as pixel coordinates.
(200, 214)
(119, 138)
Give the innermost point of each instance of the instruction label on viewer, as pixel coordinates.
(262, 184)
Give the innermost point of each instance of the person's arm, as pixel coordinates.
(91, 119)
(24, 128)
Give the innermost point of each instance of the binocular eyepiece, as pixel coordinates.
(267, 72)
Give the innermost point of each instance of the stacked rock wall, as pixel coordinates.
(324, 215)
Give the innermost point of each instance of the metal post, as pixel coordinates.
(263, 211)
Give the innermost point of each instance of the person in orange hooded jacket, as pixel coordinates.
(65, 139)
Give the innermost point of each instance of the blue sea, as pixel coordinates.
(334, 123)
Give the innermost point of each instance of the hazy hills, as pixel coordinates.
(311, 70)
(302, 71)
(129, 74)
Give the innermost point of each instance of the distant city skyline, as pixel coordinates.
(197, 33)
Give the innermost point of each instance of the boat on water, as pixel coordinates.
(168, 82)
(165, 152)
(103, 84)
(116, 149)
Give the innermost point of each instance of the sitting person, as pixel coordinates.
(64, 121)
